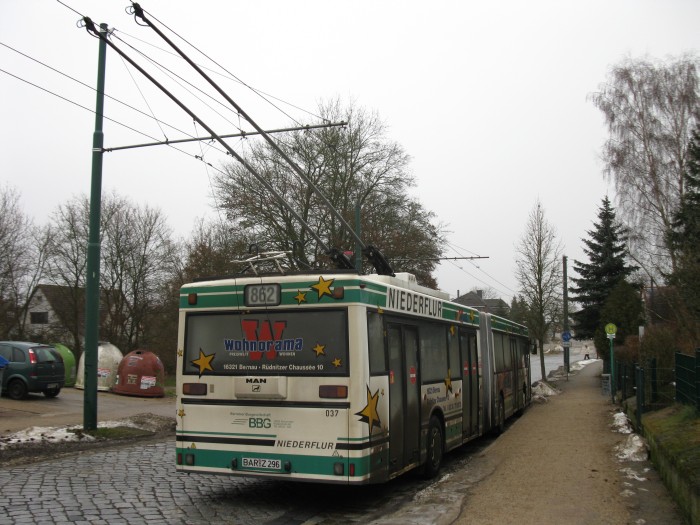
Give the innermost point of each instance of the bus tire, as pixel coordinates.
(434, 448)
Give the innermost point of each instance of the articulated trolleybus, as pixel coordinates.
(338, 377)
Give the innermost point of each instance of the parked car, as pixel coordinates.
(32, 367)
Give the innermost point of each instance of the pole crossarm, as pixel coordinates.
(242, 134)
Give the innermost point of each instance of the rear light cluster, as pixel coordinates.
(333, 391)
(189, 459)
(194, 389)
(32, 357)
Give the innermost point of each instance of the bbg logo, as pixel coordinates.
(259, 422)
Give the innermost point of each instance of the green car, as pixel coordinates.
(32, 367)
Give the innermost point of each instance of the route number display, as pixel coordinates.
(262, 295)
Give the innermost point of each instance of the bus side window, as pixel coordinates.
(499, 351)
(375, 344)
(455, 361)
(433, 353)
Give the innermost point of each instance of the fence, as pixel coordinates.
(655, 388)
(688, 379)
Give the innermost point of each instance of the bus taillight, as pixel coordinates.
(194, 389)
(192, 299)
(333, 391)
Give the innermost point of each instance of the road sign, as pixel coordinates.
(610, 329)
(566, 336)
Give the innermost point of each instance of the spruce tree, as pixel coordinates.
(606, 251)
(684, 238)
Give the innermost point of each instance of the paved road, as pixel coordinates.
(67, 409)
(139, 485)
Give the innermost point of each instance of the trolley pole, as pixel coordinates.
(92, 284)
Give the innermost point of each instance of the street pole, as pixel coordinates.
(611, 330)
(92, 284)
(566, 319)
(612, 368)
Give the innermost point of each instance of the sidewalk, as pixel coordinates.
(557, 464)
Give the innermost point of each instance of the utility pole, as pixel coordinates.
(92, 285)
(566, 335)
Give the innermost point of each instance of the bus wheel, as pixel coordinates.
(434, 448)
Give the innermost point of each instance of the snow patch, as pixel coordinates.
(632, 474)
(59, 434)
(578, 365)
(621, 424)
(633, 449)
(545, 390)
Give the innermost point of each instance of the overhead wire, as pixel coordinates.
(126, 126)
(144, 98)
(227, 75)
(223, 68)
(457, 249)
(172, 74)
(95, 90)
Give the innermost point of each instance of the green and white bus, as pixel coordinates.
(338, 377)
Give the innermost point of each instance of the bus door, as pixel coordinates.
(404, 424)
(470, 383)
(515, 358)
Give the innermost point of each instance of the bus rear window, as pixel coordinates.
(270, 343)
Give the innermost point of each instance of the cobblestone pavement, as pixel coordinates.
(138, 484)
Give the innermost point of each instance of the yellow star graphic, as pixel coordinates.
(337, 362)
(300, 297)
(319, 349)
(471, 316)
(452, 330)
(448, 381)
(181, 412)
(179, 352)
(369, 414)
(203, 362)
(323, 287)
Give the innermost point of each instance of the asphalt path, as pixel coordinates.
(68, 409)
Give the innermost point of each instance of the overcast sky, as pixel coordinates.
(490, 100)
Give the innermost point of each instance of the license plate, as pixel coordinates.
(52, 385)
(262, 463)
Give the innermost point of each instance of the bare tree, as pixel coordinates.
(352, 166)
(212, 250)
(539, 273)
(137, 258)
(650, 109)
(67, 264)
(22, 262)
(137, 255)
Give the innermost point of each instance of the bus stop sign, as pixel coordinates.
(611, 330)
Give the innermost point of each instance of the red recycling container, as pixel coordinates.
(140, 373)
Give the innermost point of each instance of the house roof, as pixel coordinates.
(475, 300)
